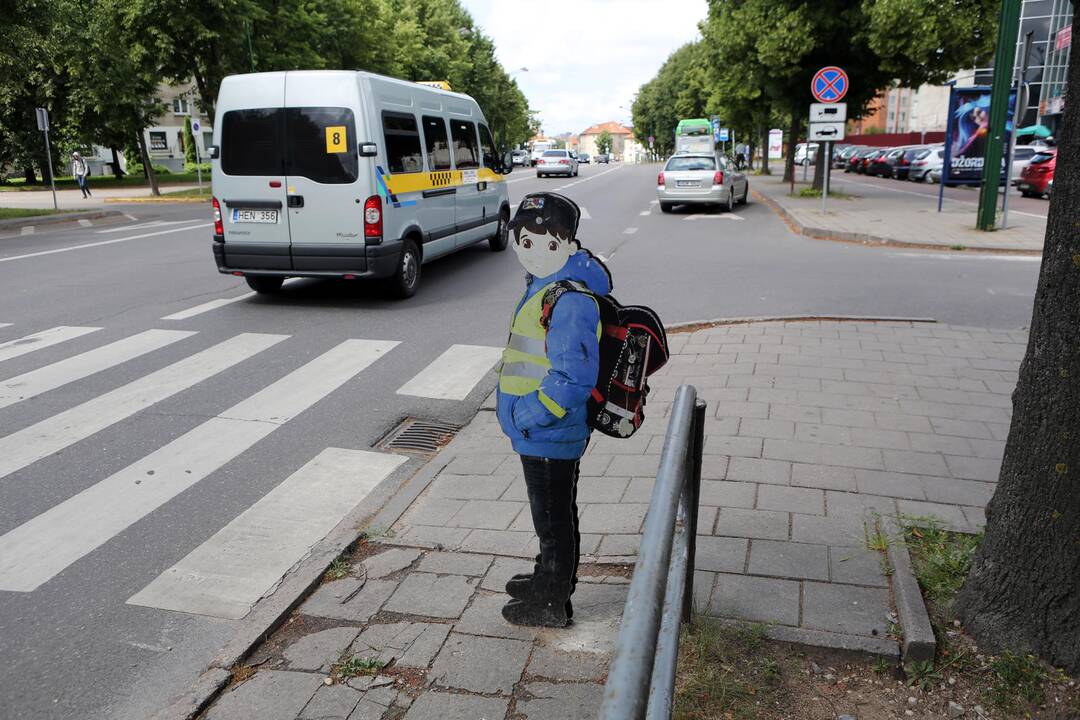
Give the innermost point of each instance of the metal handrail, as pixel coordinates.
(641, 680)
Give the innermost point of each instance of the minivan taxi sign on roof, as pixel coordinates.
(829, 84)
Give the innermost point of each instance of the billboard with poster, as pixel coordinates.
(968, 131)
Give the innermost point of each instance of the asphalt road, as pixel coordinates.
(78, 538)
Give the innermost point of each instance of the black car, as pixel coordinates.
(601, 158)
(901, 165)
(583, 158)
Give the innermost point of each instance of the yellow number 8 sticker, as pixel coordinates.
(336, 141)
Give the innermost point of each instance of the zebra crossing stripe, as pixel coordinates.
(454, 374)
(80, 422)
(38, 550)
(39, 341)
(50, 377)
(226, 575)
(207, 307)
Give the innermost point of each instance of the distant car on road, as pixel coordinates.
(520, 157)
(602, 158)
(583, 158)
(556, 162)
(1037, 178)
(701, 179)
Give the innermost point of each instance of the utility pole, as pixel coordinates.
(1008, 28)
(43, 125)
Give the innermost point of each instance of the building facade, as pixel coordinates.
(619, 137)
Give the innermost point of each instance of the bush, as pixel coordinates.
(191, 167)
(137, 169)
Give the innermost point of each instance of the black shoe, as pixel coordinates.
(535, 614)
(520, 587)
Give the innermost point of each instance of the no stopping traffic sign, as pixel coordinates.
(829, 85)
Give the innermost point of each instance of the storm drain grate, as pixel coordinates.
(419, 437)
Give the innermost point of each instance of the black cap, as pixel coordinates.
(547, 213)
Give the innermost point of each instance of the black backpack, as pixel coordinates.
(632, 347)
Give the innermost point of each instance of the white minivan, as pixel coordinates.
(352, 175)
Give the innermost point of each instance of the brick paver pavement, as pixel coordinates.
(873, 214)
(815, 430)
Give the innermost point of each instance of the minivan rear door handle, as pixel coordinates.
(296, 201)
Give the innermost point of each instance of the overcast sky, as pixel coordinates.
(585, 57)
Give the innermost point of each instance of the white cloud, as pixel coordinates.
(585, 57)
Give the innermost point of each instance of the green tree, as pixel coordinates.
(603, 142)
(677, 92)
(189, 142)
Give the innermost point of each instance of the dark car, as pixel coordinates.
(882, 165)
(855, 160)
(601, 158)
(901, 166)
(583, 158)
(843, 156)
(869, 159)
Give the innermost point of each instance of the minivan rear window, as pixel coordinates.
(438, 147)
(691, 163)
(402, 143)
(464, 135)
(318, 143)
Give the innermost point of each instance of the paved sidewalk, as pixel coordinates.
(815, 430)
(876, 215)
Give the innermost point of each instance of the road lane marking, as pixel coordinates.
(130, 217)
(100, 243)
(207, 307)
(585, 214)
(4, 325)
(27, 230)
(58, 374)
(85, 223)
(454, 374)
(725, 216)
(226, 575)
(55, 433)
(41, 548)
(630, 231)
(143, 226)
(39, 341)
(645, 212)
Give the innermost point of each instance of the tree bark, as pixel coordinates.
(29, 175)
(117, 171)
(1023, 590)
(148, 168)
(793, 139)
(765, 150)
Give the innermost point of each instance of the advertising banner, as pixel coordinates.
(776, 143)
(968, 131)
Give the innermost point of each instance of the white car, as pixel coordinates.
(557, 162)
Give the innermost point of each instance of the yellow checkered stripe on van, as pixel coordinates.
(401, 183)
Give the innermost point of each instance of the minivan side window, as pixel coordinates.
(322, 144)
(487, 147)
(465, 154)
(438, 147)
(251, 142)
(402, 143)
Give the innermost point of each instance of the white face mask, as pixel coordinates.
(542, 255)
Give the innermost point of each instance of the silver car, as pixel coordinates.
(556, 162)
(701, 179)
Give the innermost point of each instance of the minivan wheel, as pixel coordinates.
(406, 279)
(498, 241)
(264, 284)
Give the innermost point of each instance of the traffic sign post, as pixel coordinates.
(195, 127)
(43, 125)
(828, 117)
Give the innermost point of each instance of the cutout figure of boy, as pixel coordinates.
(547, 376)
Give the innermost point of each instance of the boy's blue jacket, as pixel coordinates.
(574, 353)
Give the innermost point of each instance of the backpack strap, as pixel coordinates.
(552, 295)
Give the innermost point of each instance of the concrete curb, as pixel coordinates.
(380, 509)
(817, 233)
(151, 200)
(837, 641)
(57, 218)
(692, 325)
(919, 642)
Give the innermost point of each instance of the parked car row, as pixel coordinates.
(1032, 168)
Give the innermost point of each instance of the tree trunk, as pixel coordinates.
(1023, 590)
(147, 167)
(765, 150)
(819, 167)
(117, 170)
(793, 139)
(29, 175)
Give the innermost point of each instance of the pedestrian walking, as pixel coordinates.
(550, 368)
(81, 171)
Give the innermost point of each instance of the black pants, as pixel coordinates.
(552, 487)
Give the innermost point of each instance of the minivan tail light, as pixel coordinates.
(373, 220)
(718, 177)
(219, 229)
(660, 179)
